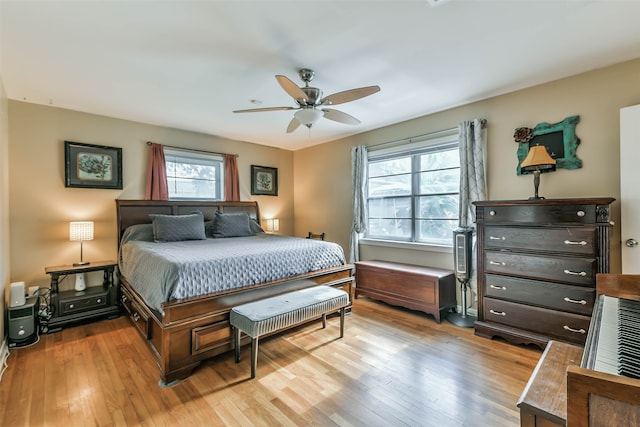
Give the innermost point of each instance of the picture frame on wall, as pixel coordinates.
(92, 166)
(264, 181)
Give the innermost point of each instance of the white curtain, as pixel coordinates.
(359, 196)
(472, 138)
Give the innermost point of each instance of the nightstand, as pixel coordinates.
(73, 306)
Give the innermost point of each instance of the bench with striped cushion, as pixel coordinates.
(284, 311)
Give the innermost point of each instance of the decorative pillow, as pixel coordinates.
(175, 228)
(254, 226)
(140, 232)
(231, 225)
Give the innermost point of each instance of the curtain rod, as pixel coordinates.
(483, 122)
(192, 149)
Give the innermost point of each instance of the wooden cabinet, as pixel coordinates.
(537, 264)
(427, 289)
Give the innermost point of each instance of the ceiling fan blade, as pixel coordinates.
(293, 125)
(349, 95)
(339, 116)
(291, 88)
(256, 110)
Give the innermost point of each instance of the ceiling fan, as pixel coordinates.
(311, 104)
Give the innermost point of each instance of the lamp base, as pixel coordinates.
(81, 263)
(536, 198)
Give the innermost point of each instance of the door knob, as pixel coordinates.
(632, 243)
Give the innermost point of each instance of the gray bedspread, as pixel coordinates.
(167, 271)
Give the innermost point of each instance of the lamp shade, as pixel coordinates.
(273, 225)
(81, 230)
(538, 158)
(308, 116)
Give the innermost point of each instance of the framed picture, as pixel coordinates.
(264, 181)
(560, 140)
(92, 166)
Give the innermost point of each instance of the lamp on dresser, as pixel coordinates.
(80, 231)
(537, 161)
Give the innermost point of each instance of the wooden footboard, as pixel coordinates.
(196, 329)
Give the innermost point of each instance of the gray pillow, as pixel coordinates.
(231, 225)
(140, 232)
(254, 226)
(176, 228)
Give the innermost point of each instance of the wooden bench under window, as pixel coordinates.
(431, 290)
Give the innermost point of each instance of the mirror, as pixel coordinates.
(559, 138)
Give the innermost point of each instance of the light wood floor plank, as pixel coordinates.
(393, 367)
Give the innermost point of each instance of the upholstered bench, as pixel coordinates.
(284, 311)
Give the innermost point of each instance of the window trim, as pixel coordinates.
(198, 154)
(413, 148)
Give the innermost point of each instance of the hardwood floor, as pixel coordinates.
(394, 367)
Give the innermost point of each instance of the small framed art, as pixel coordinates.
(264, 181)
(92, 166)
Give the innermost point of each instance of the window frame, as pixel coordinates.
(414, 150)
(205, 156)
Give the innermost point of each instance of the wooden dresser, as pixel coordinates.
(537, 265)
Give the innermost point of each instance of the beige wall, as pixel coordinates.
(5, 278)
(41, 206)
(322, 193)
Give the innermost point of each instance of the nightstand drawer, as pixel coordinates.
(565, 326)
(90, 299)
(574, 299)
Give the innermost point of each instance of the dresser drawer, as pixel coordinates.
(138, 316)
(541, 214)
(575, 299)
(556, 324)
(574, 240)
(571, 270)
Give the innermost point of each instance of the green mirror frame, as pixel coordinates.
(561, 142)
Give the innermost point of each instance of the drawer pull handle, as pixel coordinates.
(498, 313)
(501, 288)
(570, 242)
(575, 273)
(575, 301)
(497, 238)
(580, 214)
(99, 301)
(492, 213)
(497, 263)
(577, 331)
(136, 316)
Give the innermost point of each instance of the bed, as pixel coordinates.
(185, 326)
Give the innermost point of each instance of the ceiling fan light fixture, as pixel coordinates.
(308, 116)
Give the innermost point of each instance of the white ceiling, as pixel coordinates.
(189, 64)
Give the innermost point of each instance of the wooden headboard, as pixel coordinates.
(132, 212)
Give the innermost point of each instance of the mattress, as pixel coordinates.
(168, 271)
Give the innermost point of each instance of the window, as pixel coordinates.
(193, 175)
(413, 192)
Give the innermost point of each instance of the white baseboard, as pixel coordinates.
(4, 355)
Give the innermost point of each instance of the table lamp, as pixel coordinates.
(537, 161)
(273, 225)
(80, 231)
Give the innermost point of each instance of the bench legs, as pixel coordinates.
(254, 342)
